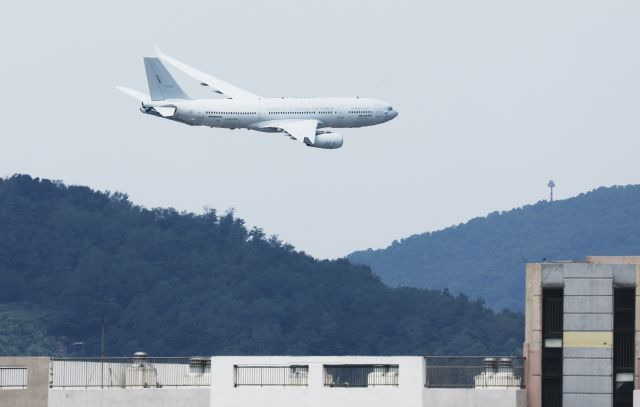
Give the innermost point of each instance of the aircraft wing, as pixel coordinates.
(301, 130)
(218, 85)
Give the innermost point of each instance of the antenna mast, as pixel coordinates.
(102, 339)
(102, 355)
(551, 185)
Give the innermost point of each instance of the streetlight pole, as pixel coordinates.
(102, 355)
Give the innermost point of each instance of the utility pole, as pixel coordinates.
(102, 339)
(102, 355)
(551, 185)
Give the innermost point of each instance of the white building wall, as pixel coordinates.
(169, 397)
(474, 398)
(410, 391)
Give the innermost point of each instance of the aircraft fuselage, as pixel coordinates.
(255, 115)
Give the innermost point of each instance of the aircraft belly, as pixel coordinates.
(327, 122)
(181, 117)
(213, 121)
(231, 123)
(363, 120)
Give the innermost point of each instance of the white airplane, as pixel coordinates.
(305, 119)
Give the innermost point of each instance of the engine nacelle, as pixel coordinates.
(327, 140)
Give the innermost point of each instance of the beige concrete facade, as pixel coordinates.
(588, 328)
(36, 393)
(613, 259)
(628, 260)
(533, 334)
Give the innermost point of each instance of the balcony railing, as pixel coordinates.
(474, 372)
(12, 378)
(130, 372)
(293, 375)
(360, 375)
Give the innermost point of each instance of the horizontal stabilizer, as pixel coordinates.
(134, 94)
(165, 111)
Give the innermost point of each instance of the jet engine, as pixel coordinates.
(327, 140)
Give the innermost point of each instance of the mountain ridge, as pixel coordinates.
(485, 257)
(176, 283)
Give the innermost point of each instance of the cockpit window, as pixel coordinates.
(389, 109)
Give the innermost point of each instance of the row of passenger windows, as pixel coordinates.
(320, 112)
(230, 112)
(323, 112)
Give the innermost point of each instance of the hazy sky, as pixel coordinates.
(495, 98)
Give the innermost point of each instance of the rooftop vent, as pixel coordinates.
(198, 364)
(497, 374)
(141, 373)
(490, 364)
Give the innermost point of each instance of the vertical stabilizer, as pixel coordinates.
(161, 84)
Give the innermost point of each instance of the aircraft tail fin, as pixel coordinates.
(161, 84)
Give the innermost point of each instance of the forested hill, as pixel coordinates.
(485, 257)
(174, 283)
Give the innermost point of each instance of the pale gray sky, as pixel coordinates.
(495, 97)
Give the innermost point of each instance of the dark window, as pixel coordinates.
(623, 345)
(360, 375)
(552, 330)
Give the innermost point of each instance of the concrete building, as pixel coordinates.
(580, 350)
(134, 382)
(580, 332)
(349, 381)
(24, 381)
(353, 381)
